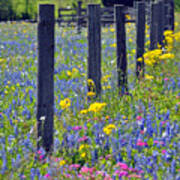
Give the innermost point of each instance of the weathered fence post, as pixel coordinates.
(160, 22)
(171, 15)
(45, 92)
(166, 19)
(140, 37)
(94, 47)
(154, 26)
(121, 48)
(79, 17)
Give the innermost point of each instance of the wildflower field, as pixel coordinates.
(112, 137)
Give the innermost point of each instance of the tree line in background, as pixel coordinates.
(27, 9)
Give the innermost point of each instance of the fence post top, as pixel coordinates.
(79, 2)
(46, 5)
(46, 12)
(93, 4)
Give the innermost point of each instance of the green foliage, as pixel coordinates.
(177, 5)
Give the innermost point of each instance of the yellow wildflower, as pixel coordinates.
(62, 162)
(96, 107)
(133, 51)
(83, 147)
(65, 103)
(113, 45)
(112, 30)
(177, 36)
(75, 71)
(128, 16)
(140, 59)
(83, 155)
(105, 78)
(166, 56)
(84, 111)
(108, 129)
(90, 82)
(130, 40)
(69, 73)
(2, 60)
(149, 77)
(91, 94)
(168, 33)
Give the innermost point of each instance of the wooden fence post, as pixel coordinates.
(94, 47)
(59, 17)
(160, 22)
(79, 17)
(45, 92)
(121, 48)
(154, 26)
(166, 14)
(140, 37)
(171, 15)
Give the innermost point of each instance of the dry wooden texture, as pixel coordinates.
(45, 92)
(121, 49)
(94, 47)
(140, 37)
(79, 17)
(160, 22)
(172, 18)
(154, 26)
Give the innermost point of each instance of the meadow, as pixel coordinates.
(135, 136)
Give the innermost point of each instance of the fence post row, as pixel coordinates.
(140, 37)
(45, 91)
(94, 47)
(121, 48)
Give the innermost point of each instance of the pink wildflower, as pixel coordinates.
(133, 170)
(41, 157)
(138, 118)
(39, 152)
(166, 79)
(100, 173)
(74, 166)
(76, 128)
(122, 165)
(141, 143)
(163, 151)
(47, 175)
(107, 177)
(163, 122)
(80, 176)
(67, 175)
(158, 142)
(123, 173)
(134, 176)
(108, 156)
(141, 171)
(84, 138)
(84, 170)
